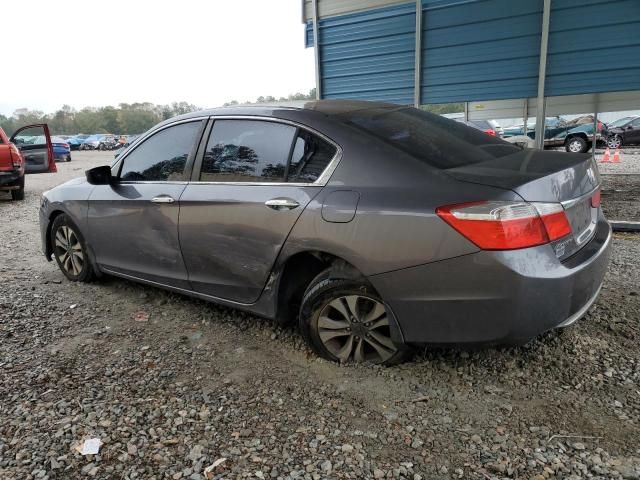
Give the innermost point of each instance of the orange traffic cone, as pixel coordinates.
(616, 156)
(606, 158)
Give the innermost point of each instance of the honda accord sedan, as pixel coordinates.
(374, 226)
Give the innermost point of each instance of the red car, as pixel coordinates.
(24, 153)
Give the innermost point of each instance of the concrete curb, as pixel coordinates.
(624, 226)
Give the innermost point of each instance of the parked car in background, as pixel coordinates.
(625, 131)
(108, 142)
(61, 149)
(75, 141)
(93, 142)
(23, 153)
(485, 125)
(575, 135)
(374, 226)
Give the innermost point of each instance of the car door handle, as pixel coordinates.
(282, 203)
(163, 199)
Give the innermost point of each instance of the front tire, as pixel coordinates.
(345, 320)
(614, 141)
(576, 145)
(70, 250)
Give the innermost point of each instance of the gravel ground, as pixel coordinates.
(621, 196)
(196, 383)
(629, 161)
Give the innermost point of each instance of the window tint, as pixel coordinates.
(247, 151)
(163, 156)
(636, 123)
(311, 155)
(435, 140)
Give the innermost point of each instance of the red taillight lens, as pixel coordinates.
(16, 156)
(490, 132)
(65, 145)
(595, 199)
(507, 225)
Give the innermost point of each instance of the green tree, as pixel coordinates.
(442, 108)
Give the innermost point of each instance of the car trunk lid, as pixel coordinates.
(543, 176)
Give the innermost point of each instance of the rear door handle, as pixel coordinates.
(282, 203)
(163, 199)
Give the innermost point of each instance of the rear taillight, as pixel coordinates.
(65, 145)
(595, 199)
(491, 132)
(16, 158)
(507, 225)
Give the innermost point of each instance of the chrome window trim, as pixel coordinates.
(142, 138)
(321, 181)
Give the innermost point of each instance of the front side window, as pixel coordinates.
(163, 156)
(636, 123)
(311, 155)
(247, 151)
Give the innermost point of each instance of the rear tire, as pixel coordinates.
(344, 320)
(576, 145)
(18, 194)
(70, 250)
(614, 141)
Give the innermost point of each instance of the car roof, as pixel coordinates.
(322, 107)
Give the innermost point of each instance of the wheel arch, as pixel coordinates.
(296, 272)
(582, 135)
(55, 213)
(52, 216)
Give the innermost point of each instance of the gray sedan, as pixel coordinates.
(374, 226)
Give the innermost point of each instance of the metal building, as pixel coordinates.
(502, 58)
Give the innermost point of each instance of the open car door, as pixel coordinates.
(34, 143)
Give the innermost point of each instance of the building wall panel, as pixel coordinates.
(475, 50)
(480, 49)
(593, 47)
(369, 55)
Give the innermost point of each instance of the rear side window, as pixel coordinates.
(163, 156)
(247, 151)
(311, 156)
(435, 140)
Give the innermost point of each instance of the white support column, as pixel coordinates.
(595, 133)
(542, 73)
(316, 48)
(525, 115)
(417, 79)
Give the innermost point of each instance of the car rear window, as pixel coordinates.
(440, 142)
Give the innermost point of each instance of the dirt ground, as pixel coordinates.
(196, 383)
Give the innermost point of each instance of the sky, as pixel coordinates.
(99, 53)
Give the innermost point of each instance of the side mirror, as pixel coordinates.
(99, 175)
(629, 127)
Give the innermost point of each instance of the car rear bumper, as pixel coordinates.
(10, 180)
(506, 297)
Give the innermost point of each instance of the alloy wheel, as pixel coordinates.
(356, 328)
(575, 146)
(69, 250)
(614, 142)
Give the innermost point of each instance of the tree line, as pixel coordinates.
(125, 119)
(270, 99)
